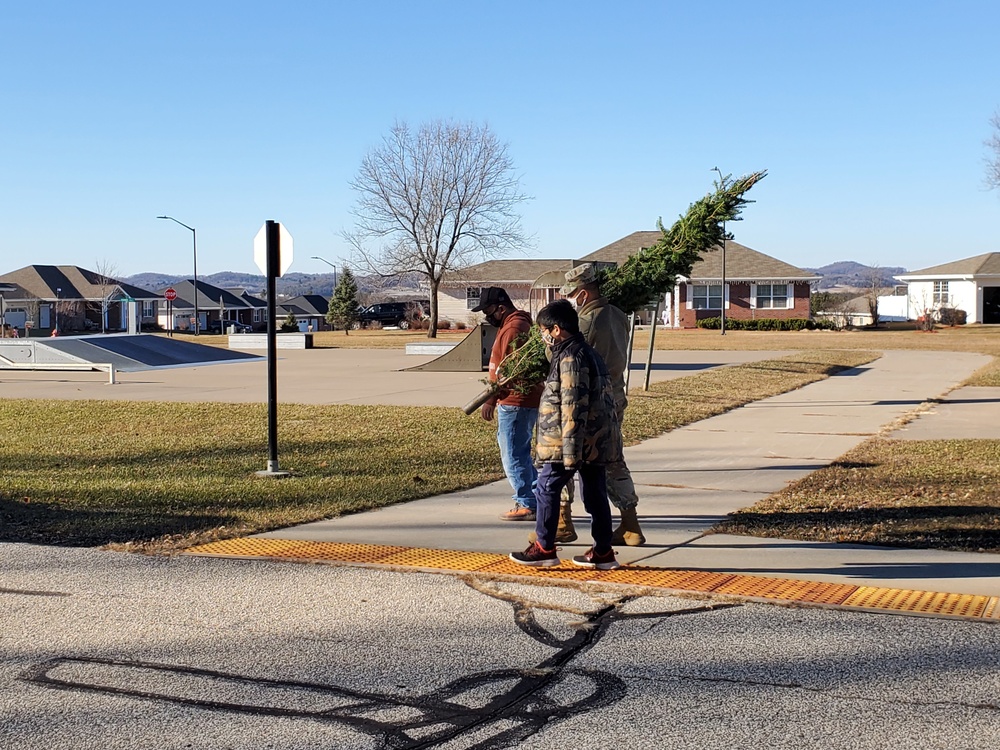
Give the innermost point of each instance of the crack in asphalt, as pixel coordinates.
(519, 702)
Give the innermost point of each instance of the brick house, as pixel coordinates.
(757, 285)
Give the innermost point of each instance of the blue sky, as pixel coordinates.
(870, 117)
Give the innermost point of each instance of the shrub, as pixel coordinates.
(767, 324)
(444, 325)
(950, 316)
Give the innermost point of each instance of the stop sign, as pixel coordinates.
(170, 294)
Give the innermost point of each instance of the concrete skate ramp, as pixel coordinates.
(141, 352)
(471, 354)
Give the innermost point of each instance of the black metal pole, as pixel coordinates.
(197, 314)
(273, 269)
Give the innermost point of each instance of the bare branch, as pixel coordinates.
(435, 201)
(993, 163)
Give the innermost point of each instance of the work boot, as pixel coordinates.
(565, 533)
(628, 531)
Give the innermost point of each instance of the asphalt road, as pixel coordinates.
(109, 650)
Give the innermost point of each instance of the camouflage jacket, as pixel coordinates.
(577, 422)
(606, 328)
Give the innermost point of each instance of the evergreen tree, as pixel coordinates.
(290, 324)
(343, 310)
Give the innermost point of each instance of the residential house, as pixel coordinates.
(529, 283)
(73, 299)
(851, 313)
(309, 310)
(757, 285)
(971, 284)
(214, 304)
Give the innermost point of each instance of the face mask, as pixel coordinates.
(494, 320)
(547, 338)
(578, 301)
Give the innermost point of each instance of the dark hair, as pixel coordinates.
(559, 313)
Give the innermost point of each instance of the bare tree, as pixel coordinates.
(874, 288)
(106, 283)
(434, 201)
(993, 162)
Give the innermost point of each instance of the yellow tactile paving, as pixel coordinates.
(756, 587)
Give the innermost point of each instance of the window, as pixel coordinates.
(706, 296)
(940, 292)
(472, 297)
(773, 296)
(148, 309)
(260, 315)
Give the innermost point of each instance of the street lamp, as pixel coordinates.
(55, 312)
(316, 257)
(722, 311)
(194, 238)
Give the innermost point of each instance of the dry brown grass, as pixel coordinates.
(943, 494)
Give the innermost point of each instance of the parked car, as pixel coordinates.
(215, 327)
(392, 313)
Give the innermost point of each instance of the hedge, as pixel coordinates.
(767, 324)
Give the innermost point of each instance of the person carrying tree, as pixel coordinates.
(606, 329)
(516, 412)
(578, 433)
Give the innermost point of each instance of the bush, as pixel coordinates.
(767, 324)
(950, 316)
(444, 325)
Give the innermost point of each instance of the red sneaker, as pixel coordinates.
(536, 557)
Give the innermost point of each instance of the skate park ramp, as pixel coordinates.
(128, 353)
(471, 354)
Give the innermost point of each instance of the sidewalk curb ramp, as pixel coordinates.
(787, 591)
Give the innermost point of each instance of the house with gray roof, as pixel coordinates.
(971, 284)
(309, 310)
(524, 281)
(72, 299)
(215, 306)
(756, 285)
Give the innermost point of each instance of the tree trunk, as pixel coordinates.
(432, 329)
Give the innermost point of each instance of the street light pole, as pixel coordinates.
(55, 312)
(194, 239)
(316, 257)
(722, 311)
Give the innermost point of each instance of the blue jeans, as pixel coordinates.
(515, 434)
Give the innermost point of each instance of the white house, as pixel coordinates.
(972, 285)
(459, 291)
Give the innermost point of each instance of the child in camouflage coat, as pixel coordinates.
(578, 431)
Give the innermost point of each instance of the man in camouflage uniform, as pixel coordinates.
(578, 433)
(606, 329)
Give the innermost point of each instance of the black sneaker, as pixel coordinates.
(535, 556)
(591, 559)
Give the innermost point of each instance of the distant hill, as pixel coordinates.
(848, 273)
(287, 286)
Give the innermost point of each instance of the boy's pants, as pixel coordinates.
(551, 479)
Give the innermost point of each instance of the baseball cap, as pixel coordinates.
(492, 295)
(576, 277)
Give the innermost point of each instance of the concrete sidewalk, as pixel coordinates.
(692, 477)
